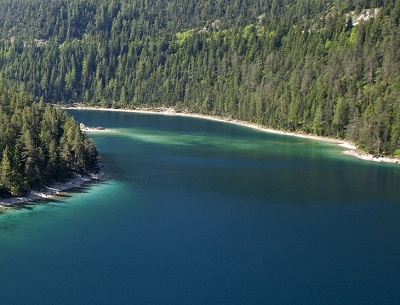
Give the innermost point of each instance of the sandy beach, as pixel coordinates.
(49, 191)
(350, 148)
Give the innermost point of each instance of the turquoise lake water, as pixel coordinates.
(194, 211)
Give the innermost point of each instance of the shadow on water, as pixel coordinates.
(115, 168)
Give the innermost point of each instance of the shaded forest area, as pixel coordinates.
(308, 65)
(39, 143)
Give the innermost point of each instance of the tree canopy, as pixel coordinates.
(39, 143)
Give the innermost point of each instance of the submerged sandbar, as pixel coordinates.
(351, 148)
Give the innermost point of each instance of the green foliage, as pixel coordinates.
(292, 65)
(39, 143)
(181, 37)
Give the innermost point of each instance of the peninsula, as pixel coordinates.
(85, 128)
(42, 150)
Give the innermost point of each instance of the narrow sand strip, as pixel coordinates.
(367, 157)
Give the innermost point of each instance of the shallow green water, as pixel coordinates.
(201, 212)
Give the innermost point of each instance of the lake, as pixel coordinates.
(194, 211)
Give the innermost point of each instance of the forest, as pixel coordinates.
(39, 143)
(324, 67)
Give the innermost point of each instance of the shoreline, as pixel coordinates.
(350, 148)
(85, 128)
(48, 192)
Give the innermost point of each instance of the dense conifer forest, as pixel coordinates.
(326, 67)
(39, 143)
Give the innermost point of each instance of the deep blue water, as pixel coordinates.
(201, 212)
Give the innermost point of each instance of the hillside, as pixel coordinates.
(311, 66)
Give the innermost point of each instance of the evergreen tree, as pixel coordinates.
(39, 144)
